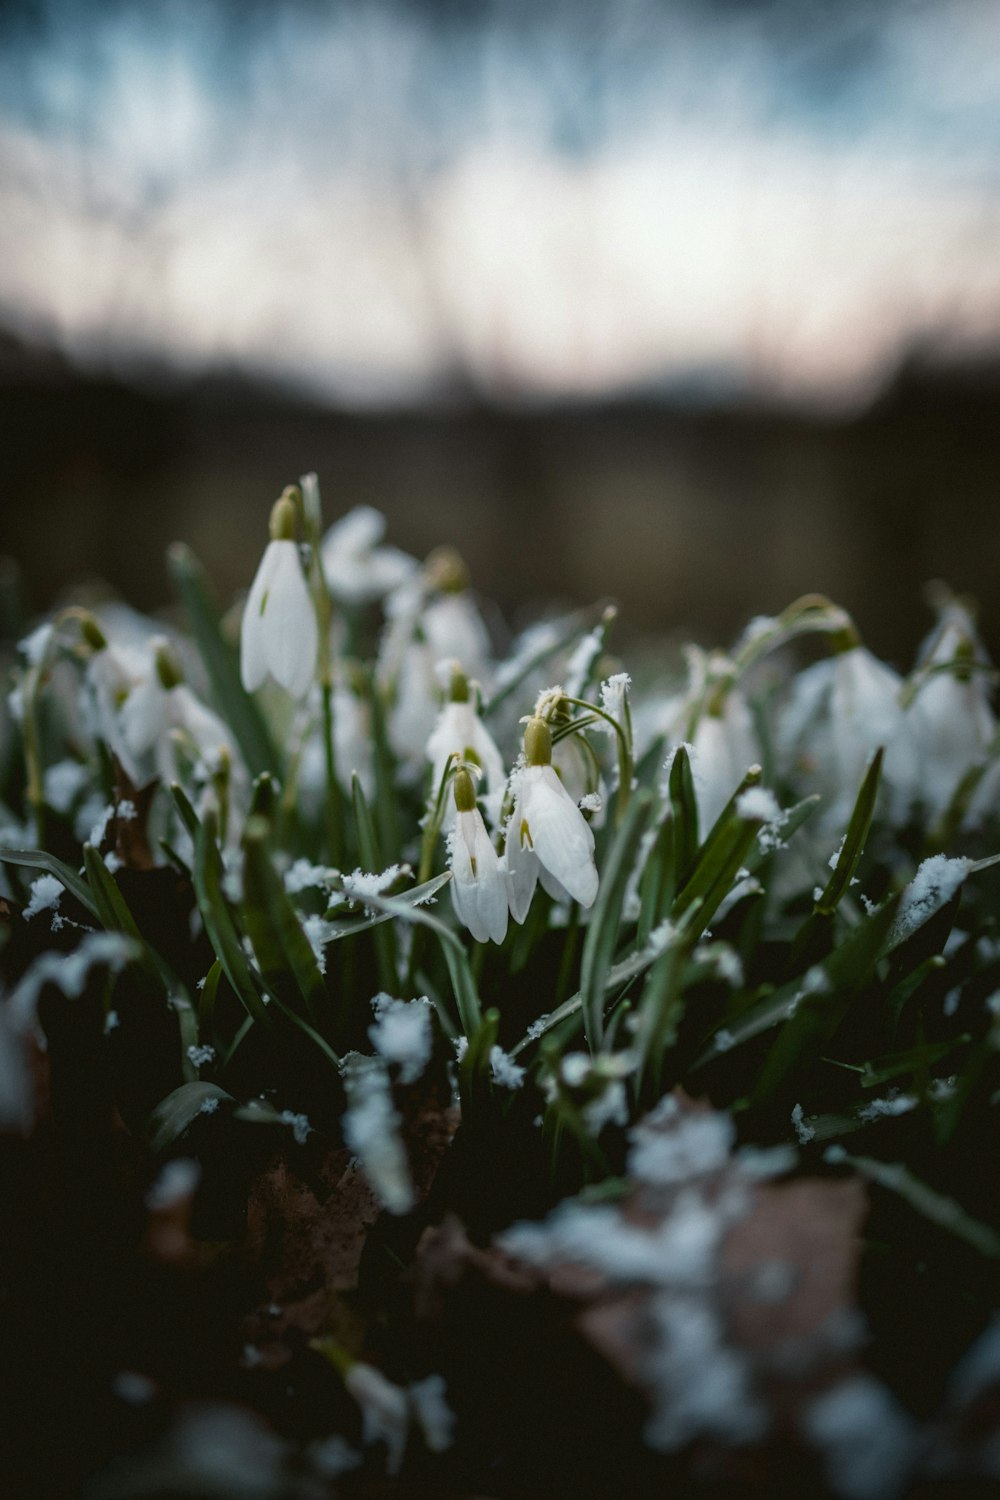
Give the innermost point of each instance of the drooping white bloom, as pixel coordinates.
(548, 838)
(478, 881)
(841, 710)
(356, 568)
(460, 731)
(279, 636)
(723, 748)
(162, 711)
(951, 720)
(113, 672)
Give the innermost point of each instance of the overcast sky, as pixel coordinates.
(389, 202)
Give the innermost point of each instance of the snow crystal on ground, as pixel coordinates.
(700, 1386)
(176, 1182)
(435, 1417)
(371, 1130)
(299, 1125)
(866, 1438)
(402, 1034)
(693, 1144)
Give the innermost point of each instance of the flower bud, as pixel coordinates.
(283, 518)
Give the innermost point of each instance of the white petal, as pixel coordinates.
(292, 635)
(143, 715)
(253, 628)
(560, 833)
(521, 863)
(479, 896)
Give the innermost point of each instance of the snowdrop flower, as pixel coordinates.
(548, 838)
(161, 711)
(478, 881)
(724, 746)
(841, 710)
(356, 568)
(952, 723)
(112, 673)
(279, 635)
(460, 731)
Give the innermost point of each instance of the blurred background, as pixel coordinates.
(695, 303)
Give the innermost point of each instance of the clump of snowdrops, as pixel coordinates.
(346, 840)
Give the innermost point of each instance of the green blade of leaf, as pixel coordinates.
(937, 1207)
(386, 955)
(602, 932)
(848, 964)
(273, 924)
(684, 808)
(457, 960)
(37, 859)
(175, 1113)
(220, 927)
(855, 838)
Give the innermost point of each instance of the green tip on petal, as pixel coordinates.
(465, 792)
(283, 519)
(168, 668)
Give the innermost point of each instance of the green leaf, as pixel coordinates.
(821, 1010)
(457, 960)
(846, 967)
(935, 1206)
(602, 931)
(228, 695)
(175, 1113)
(386, 956)
(855, 838)
(792, 820)
(684, 807)
(112, 909)
(721, 857)
(206, 1002)
(273, 924)
(37, 859)
(657, 884)
(220, 926)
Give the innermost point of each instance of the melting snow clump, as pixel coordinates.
(402, 1034)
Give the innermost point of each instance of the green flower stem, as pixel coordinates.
(625, 761)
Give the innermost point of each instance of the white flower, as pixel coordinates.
(478, 883)
(357, 570)
(724, 747)
(279, 635)
(112, 673)
(460, 731)
(163, 709)
(842, 709)
(951, 719)
(548, 838)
